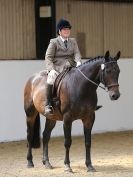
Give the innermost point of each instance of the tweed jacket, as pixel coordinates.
(57, 55)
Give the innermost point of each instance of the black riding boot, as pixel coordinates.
(48, 106)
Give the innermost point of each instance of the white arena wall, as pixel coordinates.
(114, 116)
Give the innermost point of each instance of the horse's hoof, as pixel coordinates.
(30, 165)
(68, 168)
(91, 169)
(47, 165)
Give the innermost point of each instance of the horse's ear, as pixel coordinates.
(117, 55)
(107, 54)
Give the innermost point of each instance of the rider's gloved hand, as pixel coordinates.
(78, 63)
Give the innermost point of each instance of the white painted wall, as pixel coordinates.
(114, 116)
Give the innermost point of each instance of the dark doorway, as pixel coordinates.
(45, 25)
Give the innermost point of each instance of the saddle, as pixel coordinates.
(56, 87)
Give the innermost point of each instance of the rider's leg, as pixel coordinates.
(48, 105)
(50, 82)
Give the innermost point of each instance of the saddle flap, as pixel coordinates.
(58, 81)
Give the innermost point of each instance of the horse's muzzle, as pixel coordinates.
(114, 95)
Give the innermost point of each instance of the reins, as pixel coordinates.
(101, 79)
(104, 88)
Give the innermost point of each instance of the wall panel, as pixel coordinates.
(118, 28)
(105, 25)
(29, 43)
(17, 31)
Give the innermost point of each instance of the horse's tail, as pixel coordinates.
(36, 133)
(98, 107)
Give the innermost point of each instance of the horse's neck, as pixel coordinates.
(91, 69)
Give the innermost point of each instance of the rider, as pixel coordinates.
(62, 53)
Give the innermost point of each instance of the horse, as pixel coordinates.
(77, 99)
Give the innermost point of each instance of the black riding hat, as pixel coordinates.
(63, 24)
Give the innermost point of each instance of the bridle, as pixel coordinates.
(102, 76)
(106, 88)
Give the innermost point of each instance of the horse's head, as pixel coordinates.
(110, 74)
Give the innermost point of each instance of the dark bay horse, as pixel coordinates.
(77, 100)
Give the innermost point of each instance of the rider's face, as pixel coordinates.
(65, 32)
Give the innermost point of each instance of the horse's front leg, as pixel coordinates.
(88, 123)
(68, 141)
(50, 124)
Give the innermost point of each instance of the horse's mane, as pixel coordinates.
(95, 59)
(90, 59)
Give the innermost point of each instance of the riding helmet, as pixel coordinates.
(63, 24)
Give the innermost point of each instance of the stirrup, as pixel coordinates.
(48, 109)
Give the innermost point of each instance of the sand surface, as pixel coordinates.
(112, 156)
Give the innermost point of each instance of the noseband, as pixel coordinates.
(101, 78)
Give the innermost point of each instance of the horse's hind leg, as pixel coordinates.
(33, 132)
(50, 124)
